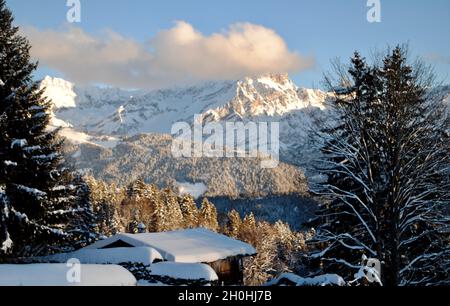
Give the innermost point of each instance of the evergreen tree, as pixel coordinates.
(248, 232)
(208, 216)
(160, 218)
(388, 181)
(174, 215)
(190, 211)
(137, 189)
(265, 265)
(234, 224)
(38, 202)
(83, 224)
(104, 202)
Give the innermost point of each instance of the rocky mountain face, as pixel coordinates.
(109, 111)
(123, 135)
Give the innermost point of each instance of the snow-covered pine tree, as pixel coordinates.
(260, 268)
(137, 189)
(104, 200)
(175, 219)
(83, 223)
(234, 224)
(190, 211)
(388, 176)
(160, 219)
(248, 231)
(208, 216)
(38, 201)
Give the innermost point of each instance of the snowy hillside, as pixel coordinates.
(149, 156)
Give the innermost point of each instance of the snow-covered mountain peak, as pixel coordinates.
(60, 91)
(269, 81)
(65, 94)
(269, 95)
(112, 111)
(314, 97)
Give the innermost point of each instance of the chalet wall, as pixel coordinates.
(230, 270)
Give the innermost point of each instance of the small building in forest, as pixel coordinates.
(224, 254)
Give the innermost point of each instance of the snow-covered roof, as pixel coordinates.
(186, 246)
(144, 255)
(56, 275)
(185, 271)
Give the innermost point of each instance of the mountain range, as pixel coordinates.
(121, 135)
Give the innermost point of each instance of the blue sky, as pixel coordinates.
(321, 29)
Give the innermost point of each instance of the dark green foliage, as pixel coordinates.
(39, 196)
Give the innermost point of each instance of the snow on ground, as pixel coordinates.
(83, 138)
(184, 271)
(196, 190)
(75, 136)
(186, 246)
(322, 280)
(55, 122)
(62, 275)
(142, 255)
(107, 142)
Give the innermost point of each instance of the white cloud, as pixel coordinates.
(179, 55)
